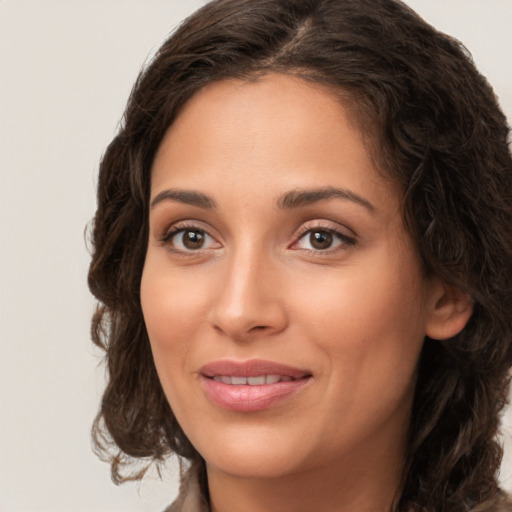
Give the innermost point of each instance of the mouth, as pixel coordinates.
(252, 385)
(260, 380)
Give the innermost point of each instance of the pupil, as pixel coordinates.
(193, 239)
(321, 239)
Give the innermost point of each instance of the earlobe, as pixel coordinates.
(450, 312)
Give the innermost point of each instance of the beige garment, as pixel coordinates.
(190, 498)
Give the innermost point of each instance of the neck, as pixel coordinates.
(366, 484)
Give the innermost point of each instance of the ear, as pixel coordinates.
(449, 311)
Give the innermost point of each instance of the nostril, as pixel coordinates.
(258, 328)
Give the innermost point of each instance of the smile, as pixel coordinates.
(260, 380)
(251, 385)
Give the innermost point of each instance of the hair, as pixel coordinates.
(435, 129)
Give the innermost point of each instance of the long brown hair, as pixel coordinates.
(434, 127)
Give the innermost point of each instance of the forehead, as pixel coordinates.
(275, 132)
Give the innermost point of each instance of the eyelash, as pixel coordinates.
(175, 230)
(344, 239)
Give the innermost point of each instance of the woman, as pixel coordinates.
(302, 254)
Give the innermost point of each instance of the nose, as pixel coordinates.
(249, 301)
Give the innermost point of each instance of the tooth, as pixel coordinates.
(225, 379)
(256, 381)
(238, 381)
(286, 379)
(272, 379)
(217, 378)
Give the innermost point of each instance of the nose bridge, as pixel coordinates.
(248, 300)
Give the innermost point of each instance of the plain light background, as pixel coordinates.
(66, 69)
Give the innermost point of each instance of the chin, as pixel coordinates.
(252, 456)
(257, 468)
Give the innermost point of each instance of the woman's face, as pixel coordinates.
(284, 301)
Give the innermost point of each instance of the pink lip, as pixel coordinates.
(249, 398)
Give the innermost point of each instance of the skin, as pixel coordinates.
(353, 314)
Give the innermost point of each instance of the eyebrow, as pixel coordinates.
(289, 200)
(304, 197)
(186, 197)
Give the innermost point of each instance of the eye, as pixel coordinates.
(322, 239)
(189, 240)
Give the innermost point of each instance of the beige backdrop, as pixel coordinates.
(66, 68)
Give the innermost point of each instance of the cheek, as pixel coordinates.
(368, 320)
(173, 308)
(368, 327)
(362, 300)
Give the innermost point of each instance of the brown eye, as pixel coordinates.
(323, 240)
(320, 239)
(188, 240)
(193, 239)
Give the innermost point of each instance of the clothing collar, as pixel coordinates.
(190, 497)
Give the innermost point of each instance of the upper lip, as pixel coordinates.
(251, 368)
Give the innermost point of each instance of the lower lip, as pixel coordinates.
(245, 398)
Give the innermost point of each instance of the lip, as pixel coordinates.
(250, 398)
